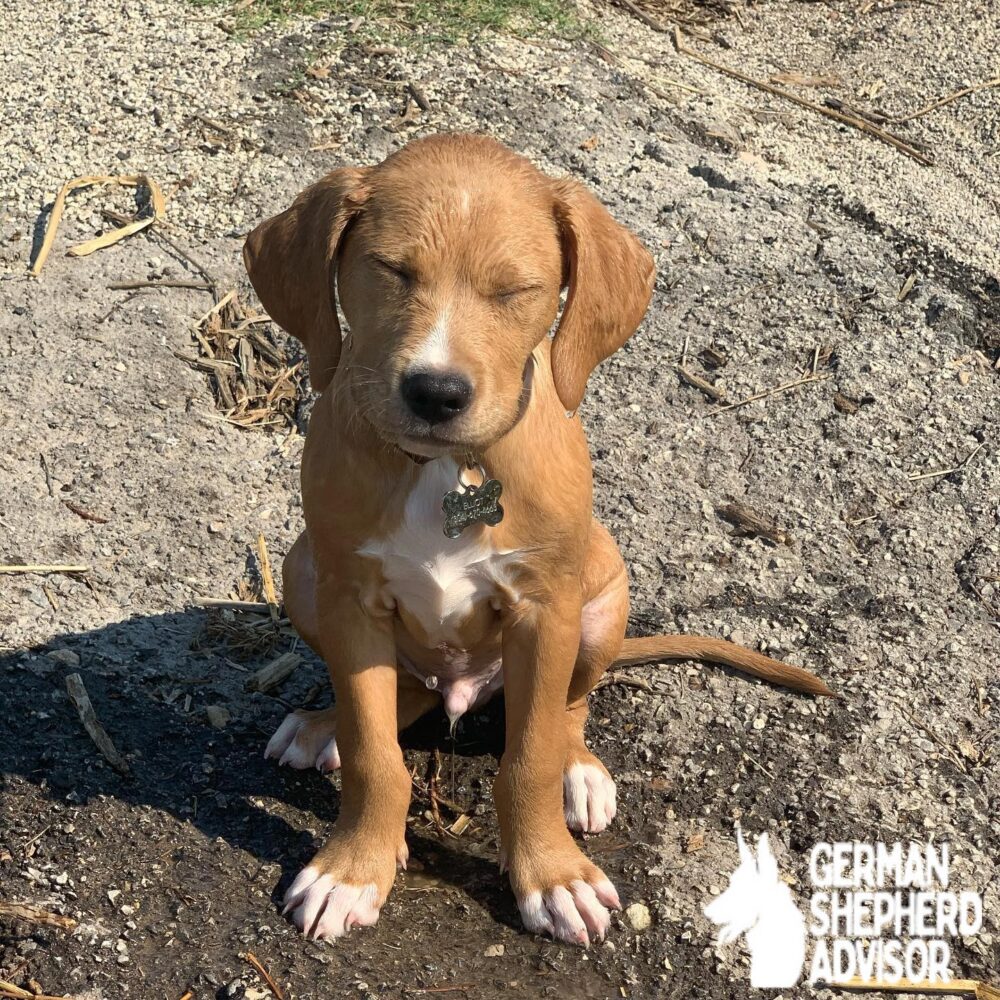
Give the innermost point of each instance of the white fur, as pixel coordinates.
(589, 798)
(301, 743)
(574, 914)
(437, 580)
(322, 909)
(435, 351)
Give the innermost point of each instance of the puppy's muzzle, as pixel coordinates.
(436, 396)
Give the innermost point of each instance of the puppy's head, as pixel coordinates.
(449, 258)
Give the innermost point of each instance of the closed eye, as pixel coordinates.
(508, 295)
(399, 271)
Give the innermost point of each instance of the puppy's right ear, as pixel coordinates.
(292, 258)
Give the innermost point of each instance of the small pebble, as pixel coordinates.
(218, 716)
(65, 656)
(638, 916)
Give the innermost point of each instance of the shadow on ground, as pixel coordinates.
(215, 780)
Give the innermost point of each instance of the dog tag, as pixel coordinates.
(471, 504)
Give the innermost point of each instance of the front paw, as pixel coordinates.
(561, 893)
(306, 739)
(344, 886)
(588, 794)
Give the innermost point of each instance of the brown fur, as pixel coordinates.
(458, 224)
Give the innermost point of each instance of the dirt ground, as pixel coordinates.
(777, 232)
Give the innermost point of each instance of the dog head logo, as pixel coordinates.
(757, 903)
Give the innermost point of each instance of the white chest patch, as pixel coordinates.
(438, 580)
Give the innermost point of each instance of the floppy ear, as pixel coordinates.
(610, 277)
(291, 260)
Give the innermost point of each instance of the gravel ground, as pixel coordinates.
(776, 232)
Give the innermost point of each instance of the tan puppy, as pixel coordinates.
(449, 258)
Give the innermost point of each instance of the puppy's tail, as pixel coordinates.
(699, 647)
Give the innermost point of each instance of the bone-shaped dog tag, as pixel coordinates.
(472, 505)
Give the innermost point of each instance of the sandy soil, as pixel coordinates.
(776, 232)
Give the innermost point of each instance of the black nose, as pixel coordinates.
(436, 396)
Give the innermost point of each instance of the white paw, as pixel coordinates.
(324, 910)
(302, 743)
(589, 798)
(575, 915)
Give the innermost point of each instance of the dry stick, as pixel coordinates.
(267, 577)
(218, 307)
(222, 602)
(137, 180)
(433, 777)
(804, 380)
(650, 22)
(914, 477)
(420, 990)
(36, 915)
(273, 674)
(964, 92)
(419, 96)
(201, 286)
(965, 987)
(10, 990)
(44, 570)
(87, 515)
(838, 116)
(194, 262)
(265, 975)
(85, 709)
(699, 383)
(48, 475)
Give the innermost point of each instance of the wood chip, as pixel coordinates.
(78, 695)
(274, 673)
(460, 825)
(714, 357)
(907, 287)
(267, 577)
(844, 404)
(695, 842)
(36, 915)
(713, 392)
(419, 96)
(749, 522)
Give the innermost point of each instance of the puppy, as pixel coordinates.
(450, 547)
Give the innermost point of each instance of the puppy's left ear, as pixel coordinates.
(291, 259)
(610, 276)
